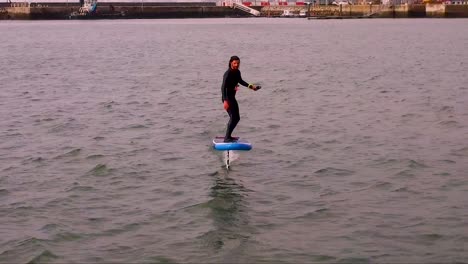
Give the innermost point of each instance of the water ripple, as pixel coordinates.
(359, 147)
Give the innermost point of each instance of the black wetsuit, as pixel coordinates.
(230, 80)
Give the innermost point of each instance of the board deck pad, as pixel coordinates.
(221, 137)
(239, 144)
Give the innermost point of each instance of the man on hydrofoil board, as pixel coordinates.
(231, 79)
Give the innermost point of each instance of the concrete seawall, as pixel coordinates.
(118, 10)
(403, 11)
(206, 10)
(448, 11)
(380, 11)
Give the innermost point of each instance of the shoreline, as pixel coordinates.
(121, 10)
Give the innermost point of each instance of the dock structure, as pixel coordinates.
(222, 9)
(117, 10)
(240, 5)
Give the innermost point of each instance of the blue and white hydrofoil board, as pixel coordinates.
(239, 144)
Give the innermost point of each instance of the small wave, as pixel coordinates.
(383, 185)
(13, 134)
(404, 190)
(44, 257)
(302, 142)
(213, 173)
(414, 222)
(48, 119)
(38, 159)
(66, 236)
(411, 116)
(69, 124)
(33, 159)
(132, 188)
(273, 126)
(4, 192)
(416, 165)
(97, 219)
(172, 159)
(448, 161)
(381, 162)
(81, 189)
(124, 229)
(306, 131)
(9, 168)
(72, 153)
(291, 164)
(323, 258)
(332, 141)
(431, 237)
(29, 250)
(447, 109)
(161, 259)
(319, 213)
(461, 152)
(412, 164)
(136, 126)
(100, 170)
(109, 104)
(327, 192)
(50, 227)
(354, 260)
(442, 174)
(449, 124)
(404, 174)
(375, 77)
(95, 156)
(334, 172)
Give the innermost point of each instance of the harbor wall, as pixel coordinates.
(403, 11)
(169, 11)
(456, 11)
(434, 10)
(115, 10)
(448, 11)
(120, 10)
(383, 11)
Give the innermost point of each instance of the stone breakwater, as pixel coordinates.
(208, 10)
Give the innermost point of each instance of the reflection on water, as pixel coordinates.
(229, 212)
(228, 204)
